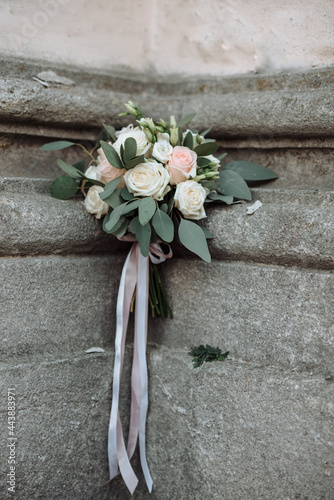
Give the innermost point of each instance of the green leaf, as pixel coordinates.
(115, 199)
(221, 197)
(164, 207)
(121, 150)
(184, 121)
(111, 155)
(203, 162)
(231, 184)
(205, 354)
(135, 161)
(115, 227)
(206, 148)
(250, 171)
(207, 233)
(203, 134)
(192, 237)
(126, 195)
(63, 187)
(109, 188)
(121, 210)
(188, 141)
(210, 185)
(171, 203)
(163, 226)
(56, 145)
(130, 149)
(179, 143)
(143, 235)
(111, 131)
(70, 170)
(80, 165)
(121, 230)
(220, 157)
(146, 210)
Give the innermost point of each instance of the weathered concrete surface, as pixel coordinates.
(285, 112)
(52, 305)
(269, 315)
(265, 314)
(35, 223)
(207, 434)
(292, 227)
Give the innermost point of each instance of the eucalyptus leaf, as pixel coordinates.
(206, 148)
(220, 157)
(188, 141)
(115, 199)
(207, 233)
(110, 187)
(171, 203)
(121, 210)
(146, 210)
(115, 227)
(163, 226)
(126, 195)
(80, 165)
(70, 170)
(250, 171)
(192, 237)
(184, 121)
(210, 185)
(203, 162)
(122, 228)
(203, 134)
(221, 197)
(111, 131)
(56, 145)
(143, 235)
(111, 155)
(164, 207)
(63, 187)
(232, 184)
(135, 161)
(130, 149)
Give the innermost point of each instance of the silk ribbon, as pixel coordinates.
(135, 276)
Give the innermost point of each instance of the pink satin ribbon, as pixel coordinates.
(135, 273)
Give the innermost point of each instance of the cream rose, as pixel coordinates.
(182, 164)
(142, 142)
(162, 151)
(93, 203)
(189, 198)
(93, 173)
(148, 179)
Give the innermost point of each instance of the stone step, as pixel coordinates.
(293, 227)
(57, 305)
(226, 430)
(305, 164)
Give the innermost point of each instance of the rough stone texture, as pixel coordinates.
(53, 305)
(265, 314)
(208, 430)
(280, 112)
(35, 223)
(294, 228)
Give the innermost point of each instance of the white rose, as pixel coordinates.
(93, 173)
(142, 142)
(93, 203)
(163, 136)
(189, 198)
(162, 151)
(148, 179)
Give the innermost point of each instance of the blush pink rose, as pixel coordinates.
(108, 172)
(182, 164)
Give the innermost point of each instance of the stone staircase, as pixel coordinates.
(259, 425)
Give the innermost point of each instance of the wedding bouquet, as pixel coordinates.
(152, 182)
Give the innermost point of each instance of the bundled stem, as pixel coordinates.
(157, 295)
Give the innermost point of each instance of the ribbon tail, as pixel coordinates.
(141, 334)
(116, 448)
